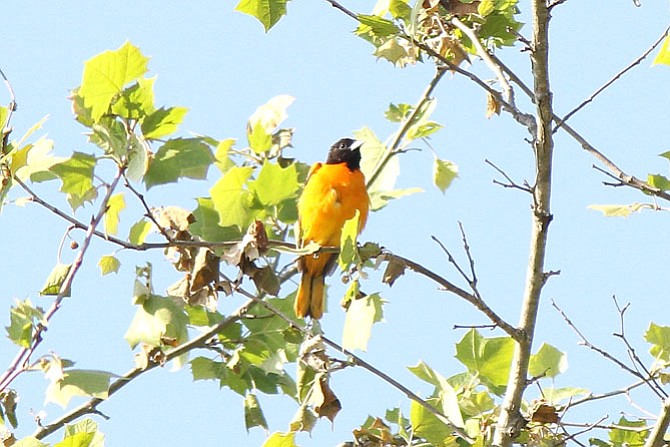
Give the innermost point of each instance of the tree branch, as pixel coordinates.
(511, 421)
(23, 356)
(90, 407)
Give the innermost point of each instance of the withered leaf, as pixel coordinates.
(544, 414)
(394, 269)
(175, 219)
(459, 8)
(205, 268)
(492, 105)
(325, 403)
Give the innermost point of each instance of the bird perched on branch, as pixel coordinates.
(334, 191)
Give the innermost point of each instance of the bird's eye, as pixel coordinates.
(342, 146)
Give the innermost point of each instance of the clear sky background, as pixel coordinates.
(221, 65)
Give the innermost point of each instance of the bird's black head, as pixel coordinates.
(346, 151)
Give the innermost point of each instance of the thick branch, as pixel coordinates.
(656, 437)
(511, 421)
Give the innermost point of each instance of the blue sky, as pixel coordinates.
(221, 66)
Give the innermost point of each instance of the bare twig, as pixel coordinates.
(147, 210)
(23, 356)
(394, 147)
(510, 183)
(615, 78)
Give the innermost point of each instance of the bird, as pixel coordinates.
(333, 192)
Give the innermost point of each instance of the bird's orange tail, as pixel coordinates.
(310, 298)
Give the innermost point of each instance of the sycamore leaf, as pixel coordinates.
(76, 174)
(268, 12)
(275, 184)
(659, 337)
(489, 357)
(108, 264)
(177, 158)
(253, 414)
(348, 253)
(663, 56)
(223, 161)
(162, 122)
(373, 151)
(397, 113)
(659, 181)
(443, 390)
(304, 420)
(362, 313)
(23, 318)
(378, 26)
(85, 431)
(86, 383)
(55, 280)
(157, 318)
(34, 161)
(379, 199)
(265, 120)
(139, 231)
(207, 226)
(115, 205)
(628, 433)
(444, 172)
(618, 210)
(547, 362)
(136, 101)
(29, 441)
(106, 74)
(428, 426)
(231, 200)
(278, 439)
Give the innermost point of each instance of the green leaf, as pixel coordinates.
(156, 319)
(163, 122)
(659, 337)
(81, 382)
(177, 158)
(275, 184)
(362, 313)
(547, 362)
(34, 161)
(55, 280)
(268, 12)
(106, 74)
(348, 252)
(488, 357)
(278, 439)
(485, 8)
(138, 158)
(663, 56)
(203, 368)
(398, 113)
(633, 437)
(8, 402)
(76, 174)
(253, 414)
(447, 397)
(556, 395)
(379, 199)
(427, 425)
(108, 264)
(265, 121)
(139, 231)
(659, 181)
(23, 318)
(136, 101)
(376, 25)
(114, 207)
(76, 440)
(207, 226)
(231, 200)
(444, 172)
(223, 161)
(618, 210)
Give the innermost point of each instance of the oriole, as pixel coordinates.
(332, 194)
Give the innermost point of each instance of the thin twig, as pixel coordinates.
(23, 356)
(148, 213)
(615, 78)
(510, 183)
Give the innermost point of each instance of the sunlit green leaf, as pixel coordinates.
(379, 26)
(163, 122)
(659, 337)
(87, 426)
(547, 362)
(109, 264)
(618, 210)
(447, 398)
(178, 158)
(348, 252)
(398, 113)
(207, 226)
(29, 441)
(265, 121)
(34, 161)
(231, 200)
(489, 357)
(24, 317)
(362, 313)
(268, 12)
(79, 383)
(52, 286)
(278, 439)
(628, 433)
(663, 56)
(275, 184)
(444, 172)
(223, 161)
(116, 204)
(137, 101)
(427, 425)
(76, 174)
(106, 74)
(139, 231)
(379, 199)
(659, 181)
(156, 319)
